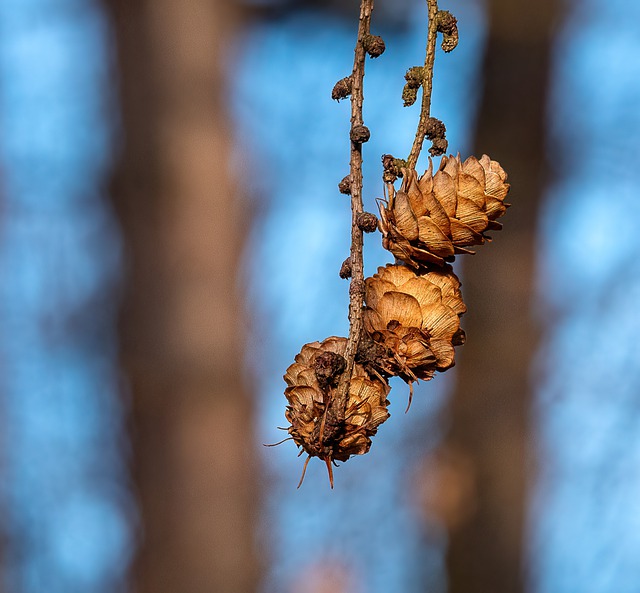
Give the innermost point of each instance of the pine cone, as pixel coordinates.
(416, 317)
(312, 382)
(432, 218)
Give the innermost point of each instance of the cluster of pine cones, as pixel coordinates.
(412, 308)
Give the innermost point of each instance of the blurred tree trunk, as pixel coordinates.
(491, 405)
(182, 327)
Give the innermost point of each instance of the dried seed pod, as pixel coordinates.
(311, 387)
(416, 317)
(433, 218)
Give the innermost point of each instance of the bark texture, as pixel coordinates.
(182, 322)
(490, 410)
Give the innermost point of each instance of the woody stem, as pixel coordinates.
(356, 288)
(427, 84)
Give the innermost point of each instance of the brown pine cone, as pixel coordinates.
(416, 318)
(434, 217)
(312, 382)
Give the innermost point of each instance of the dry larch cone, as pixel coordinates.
(434, 217)
(416, 317)
(312, 382)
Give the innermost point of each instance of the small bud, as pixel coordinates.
(387, 161)
(400, 164)
(414, 77)
(392, 168)
(409, 95)
(435, 129)
(389, 177)
(393, 165)
(449, 42)
(342, 89)
(447, 24)
(345, 185)
(438, 147)
(345, 269)
(373, 45)
(367, 222)
(360, 134)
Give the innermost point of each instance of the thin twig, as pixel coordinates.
(356, 289)
(427, 85)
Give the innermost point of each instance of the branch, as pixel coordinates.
(359, 134)
(427, 85)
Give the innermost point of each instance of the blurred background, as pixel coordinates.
(171, 234)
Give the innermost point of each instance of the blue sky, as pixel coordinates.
(64, 466)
